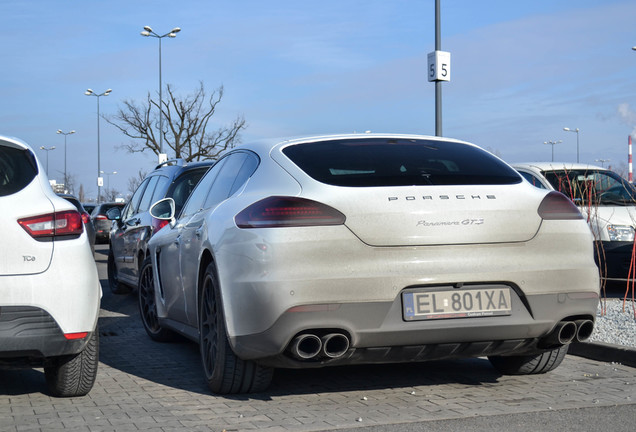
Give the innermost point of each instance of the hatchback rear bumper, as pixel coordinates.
(31, 334)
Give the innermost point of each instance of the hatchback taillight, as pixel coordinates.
(86, 218)
(556, 206)
(53, 224)
(276, 212)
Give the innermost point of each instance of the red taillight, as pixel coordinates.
(101, 217)
(86, 218)
(556, 206)
(53, 224)
(276, 212)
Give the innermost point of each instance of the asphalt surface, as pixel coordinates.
(149, 386)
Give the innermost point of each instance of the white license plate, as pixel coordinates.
(456, 303)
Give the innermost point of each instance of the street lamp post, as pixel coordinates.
(553, 143)
(577, 140)
(59, 131)
(47, 150)
(108, 174)
(90, 92)
(602, 161)
(148, 32)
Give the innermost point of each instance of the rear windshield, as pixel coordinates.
(17, 169)
(399, 162)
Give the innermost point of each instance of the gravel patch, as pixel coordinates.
(616, 327)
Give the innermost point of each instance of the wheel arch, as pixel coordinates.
(204, 262)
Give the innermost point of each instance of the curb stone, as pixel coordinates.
(604, 352)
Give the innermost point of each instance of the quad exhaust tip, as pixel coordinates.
(308, 346)
(567, 332)
(585, 328)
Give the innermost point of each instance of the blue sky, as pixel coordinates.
(521, 71)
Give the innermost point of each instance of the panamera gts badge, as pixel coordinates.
(463, 222)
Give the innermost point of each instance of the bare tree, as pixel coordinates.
(69, 183)
(135, 181)
(110, 194)
(187, 128)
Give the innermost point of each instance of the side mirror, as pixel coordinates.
(113, 213)
(163, 210)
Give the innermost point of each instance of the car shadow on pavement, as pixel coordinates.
(15, 382)
(126, 347)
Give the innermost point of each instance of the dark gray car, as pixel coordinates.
(101, 222)
(134, 226)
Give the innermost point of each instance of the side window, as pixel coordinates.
(131, 208)
(246, 171)
(144, 204)
(183, 186)
(160, 189)
(200, 192)
(224, 181)
(534, 181)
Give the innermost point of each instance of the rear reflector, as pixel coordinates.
(72, 336)
(53, 224)
(277, 212)
(556, 206)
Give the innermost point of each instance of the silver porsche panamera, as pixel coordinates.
(368, 248)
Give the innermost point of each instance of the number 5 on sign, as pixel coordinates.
(439, 66)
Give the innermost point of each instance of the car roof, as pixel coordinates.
(557, 166)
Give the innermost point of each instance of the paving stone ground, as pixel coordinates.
(149, 386)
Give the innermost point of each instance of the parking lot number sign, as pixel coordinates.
(439, 66)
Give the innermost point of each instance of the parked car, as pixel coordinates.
(134, 226)
(607, 201)
(86, 218)
(47, 319)
(368, 248)
(101, 221)
(89, 207)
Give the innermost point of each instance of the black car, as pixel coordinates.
(101, 222)
(86, 217)
(89, 207)
(134, 226)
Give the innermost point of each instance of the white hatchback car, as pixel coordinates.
(49, 287)
(368, 248)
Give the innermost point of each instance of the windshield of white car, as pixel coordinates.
(399, 162)
(592, 187)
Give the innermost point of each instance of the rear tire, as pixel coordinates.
(74, 375)
(116, 287)
(224, 371)
(529, 364)
(148, 305)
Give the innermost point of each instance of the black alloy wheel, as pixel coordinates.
(148, 305)
(225, 373)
